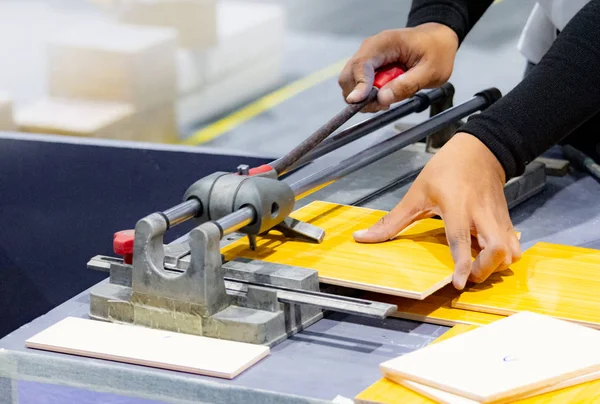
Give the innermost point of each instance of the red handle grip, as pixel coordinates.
(387, 73)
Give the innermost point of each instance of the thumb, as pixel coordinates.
(388, 226)
(364, 74)
(405, 85)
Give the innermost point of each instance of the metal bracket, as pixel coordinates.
(201, 286)
(531, 183)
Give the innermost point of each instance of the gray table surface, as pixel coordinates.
(340, 354)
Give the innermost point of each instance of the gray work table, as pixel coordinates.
(338, 355)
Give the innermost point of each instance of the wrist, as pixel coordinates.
(470, 145)
(442, 33)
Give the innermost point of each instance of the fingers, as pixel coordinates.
(500, 247)
(404, 214)
(458, 234)
(357, 80)
(515, 246)
(493, 258)
(405, 86)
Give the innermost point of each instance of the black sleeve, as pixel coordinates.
(556, 97)
(459, 15)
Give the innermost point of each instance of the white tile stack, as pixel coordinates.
(150, 66)
(229, 52)
(109, 80)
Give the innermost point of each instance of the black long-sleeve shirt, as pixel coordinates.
(555, 98)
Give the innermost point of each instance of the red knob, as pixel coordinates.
(123, 245)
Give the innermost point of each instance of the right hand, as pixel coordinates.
(427, 51)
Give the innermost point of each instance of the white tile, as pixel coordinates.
(149, 347)
(508, 358)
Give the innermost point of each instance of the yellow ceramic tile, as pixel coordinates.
(387, 392)
(579, 254)
(559, 281)
(415, 264)
(434, 309)
(587, 393)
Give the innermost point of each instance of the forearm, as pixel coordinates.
(459, 15)
(560, 94)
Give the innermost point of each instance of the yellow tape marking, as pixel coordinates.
(263, 104)
(315, 189)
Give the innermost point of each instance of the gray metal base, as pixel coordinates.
(255, 314)
(113, 303)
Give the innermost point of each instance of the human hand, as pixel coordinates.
(427, 51)
(464, 184)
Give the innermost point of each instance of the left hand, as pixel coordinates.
(464, 184)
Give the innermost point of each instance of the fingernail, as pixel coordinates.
(354, 96)
(360, 233)
(459, 284)
(386, 96)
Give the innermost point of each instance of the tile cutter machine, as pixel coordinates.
(186, 286)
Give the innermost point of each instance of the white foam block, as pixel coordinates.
(522, 353)
(149, 347)
(112, 62)
(194, 20)
(77, 118)
(7, 122)
(246, 31)
(105, 4)
(302, 14)
(191, 71)
(444, 397)
(100, 120)
(157, 125)
(230, 92)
